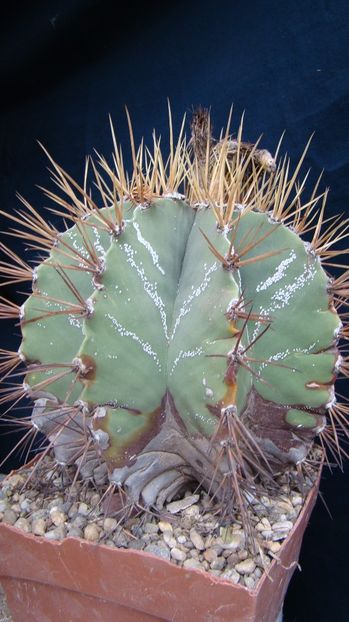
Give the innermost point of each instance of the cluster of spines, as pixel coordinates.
(223, 174)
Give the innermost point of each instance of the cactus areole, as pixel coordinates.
(180, 328)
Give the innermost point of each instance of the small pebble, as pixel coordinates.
(121, 539)
(177, 506)
(150, 528)
(297, 500)
(61, 532)
(137, 545)
(39, 527)
(58, 517)
(3, 505)
(267, 534)
(95, 499)
(72, 510)
(55, 504)
(192, 563)
(263, 525)
(218, 563)
(160, 551)
(196, 539)
(169, 539)
(52, 534)
(242, 555)
(10, 517)
(39, 514)
(285, 525)
(83, 509)
(165, 526)
(193, 511)
(25, 505)
(15, 480)
(274, 547)
(79, 521)
(75, 532)
(16, 507)
(91, 533)
(234, 542)
(210, 555)
(246, 566)
(232, 575)
(110, 524)
(23, 524)
(186, 522)
(249, 582)
(279, 535)
(177, 554)
(285, 506)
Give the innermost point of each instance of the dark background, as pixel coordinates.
(66, 65)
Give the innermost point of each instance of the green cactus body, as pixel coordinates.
(179, 348)
(157, 323)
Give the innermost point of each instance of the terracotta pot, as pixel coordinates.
(77, 581)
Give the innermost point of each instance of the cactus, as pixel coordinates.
(180, 328)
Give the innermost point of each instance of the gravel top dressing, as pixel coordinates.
(186, 532)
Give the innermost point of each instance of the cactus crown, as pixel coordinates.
(179, 327)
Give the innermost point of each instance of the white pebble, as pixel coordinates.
(178, 554)
(165, 526)
(284, 525)
(182, 504)
(196, 539)
(246, 566)
(169, 539)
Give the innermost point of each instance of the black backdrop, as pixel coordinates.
(66, 64)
